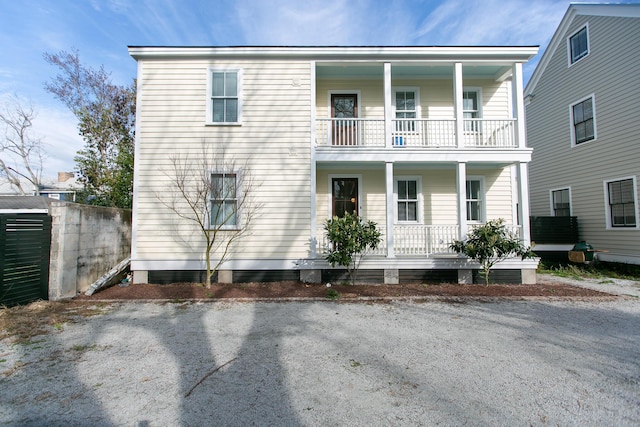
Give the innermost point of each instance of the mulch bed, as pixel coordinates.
(284, 290)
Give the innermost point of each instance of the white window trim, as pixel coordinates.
(572, 126)
(239, 195)
(420, 207)
(478, 91)
(330, 191)
(483, 199)
(569, 63)
(607, 210)
(551, 211)
(209, 110)
(414, 89)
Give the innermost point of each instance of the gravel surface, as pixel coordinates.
(528, 362)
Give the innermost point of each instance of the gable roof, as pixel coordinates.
(622, 10)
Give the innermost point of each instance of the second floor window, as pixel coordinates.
(560, 201)
(579, 45)
(225, 99)
(471, 110)
(406, 108)
(582, 117)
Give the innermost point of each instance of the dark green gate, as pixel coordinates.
(25, 240)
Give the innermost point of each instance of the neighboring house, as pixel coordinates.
(425, 141)
(63, 188)
(582, 113)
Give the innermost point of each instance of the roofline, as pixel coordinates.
(589, 9)
(357, 53)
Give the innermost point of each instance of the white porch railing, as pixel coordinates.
(416, 133)
(350, 132)
(423, 133)
(424, 240)
(323, 245)
(481, 133)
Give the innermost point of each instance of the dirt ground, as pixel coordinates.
(292, 289)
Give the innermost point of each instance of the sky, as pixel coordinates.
(101, 30)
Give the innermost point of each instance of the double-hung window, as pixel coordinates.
(475, 208)
(621, 203)
(578, 45)
(583, 127)
(224, 200)
(471, 109)
(406, 106)
(225, 106)
(408, 199)
(561, 202)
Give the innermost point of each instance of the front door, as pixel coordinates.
(344, 109)
(345, 196)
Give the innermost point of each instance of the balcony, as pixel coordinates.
(415, 133)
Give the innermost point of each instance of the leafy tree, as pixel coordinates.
(20, 153)
(106, 121)
(212, 192)
(351, 238)
(489, 244)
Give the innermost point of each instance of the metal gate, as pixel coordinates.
(25, 240)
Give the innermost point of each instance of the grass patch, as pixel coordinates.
(596, 270)
(21, 323)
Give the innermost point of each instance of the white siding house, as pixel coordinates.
(425, 141)
(582, 113)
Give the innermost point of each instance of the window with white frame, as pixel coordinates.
(583, 127)
(561, 202)
(225, 102)
(224, 200)
(406, 107)
(578, 45)
(621, 203)
(475, 205)
(471, 109)
(408, 199)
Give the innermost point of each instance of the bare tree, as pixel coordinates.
(213, 192)
(21, 153)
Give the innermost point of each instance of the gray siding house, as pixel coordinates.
(582, 111)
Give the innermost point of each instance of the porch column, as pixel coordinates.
(518, 105)
(523, 180)
(461, 188)
(388, 116)
(313, 242)
(390, 208)
(458, 108)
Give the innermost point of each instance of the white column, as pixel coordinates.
(458, 109)
(312, 176)
(518, 105)
(461, 189)
(388, 116)
(390, 208)
(523, 180)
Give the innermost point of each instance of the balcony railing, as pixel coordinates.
(416, 133)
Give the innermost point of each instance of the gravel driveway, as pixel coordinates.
(516, 363)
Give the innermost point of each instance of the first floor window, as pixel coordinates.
(225, 98)
(561, 204)
(407, 200)
(224, 200)
(474, 200)
(622, 203)
(582, 115)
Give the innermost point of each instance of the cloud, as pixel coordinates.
(58, 130)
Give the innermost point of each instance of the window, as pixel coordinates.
(406, 106)
(224, 201)
(408, 193)
(560, 202)
(471, 109)
(583, 121)
(474, 200)
(578, 45)
(621, 203)
(224, 104)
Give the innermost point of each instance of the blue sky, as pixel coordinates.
(102, 29)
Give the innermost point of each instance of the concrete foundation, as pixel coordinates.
(529, 277)
(465, 277)
(311, 276)
(140, 276)
(225, 276)
(391, 277)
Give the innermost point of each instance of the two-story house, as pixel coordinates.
(425, 141)
(582, 109)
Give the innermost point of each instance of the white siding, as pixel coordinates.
(273, 140)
